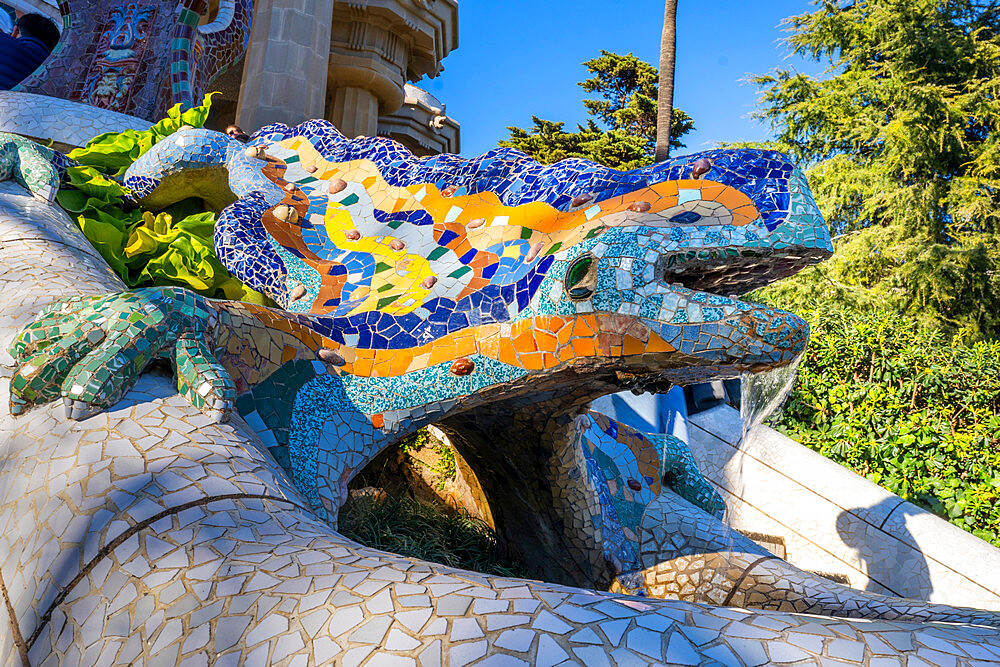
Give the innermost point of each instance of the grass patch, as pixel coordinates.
(408, 527)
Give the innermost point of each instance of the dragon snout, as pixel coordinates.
(753, 339)
(769, 337)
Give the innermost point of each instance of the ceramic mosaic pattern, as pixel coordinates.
(68, 123)
(36, 167)
(409, 299)
(142, 56)
(419, 293)
(120, 48)
(627, 468)
(215, 47)
(688, 554)
(152, 533)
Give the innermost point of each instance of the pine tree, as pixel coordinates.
(900, 137)
(621, 130)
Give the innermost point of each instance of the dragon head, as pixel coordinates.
(498, 297)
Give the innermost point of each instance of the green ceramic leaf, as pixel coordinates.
(172, 247)
(71, 199)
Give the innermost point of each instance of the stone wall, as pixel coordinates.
(833, 521)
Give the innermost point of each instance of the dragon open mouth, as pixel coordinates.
(734, 271)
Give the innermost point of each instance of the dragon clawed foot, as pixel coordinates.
(35, 167)
(91, 350)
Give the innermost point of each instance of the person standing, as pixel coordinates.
(25, 48)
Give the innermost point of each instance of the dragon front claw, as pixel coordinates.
(91, 350)
(37, 168)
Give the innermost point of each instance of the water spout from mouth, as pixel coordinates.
(761, 394)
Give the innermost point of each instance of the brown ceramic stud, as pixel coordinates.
(639, 206)
(331, 357)
(634, 484)
(297, 293)
(462, 366)
(701, 167)
(396, 244)
(580, 200)
(449, 191)
(533, 253)
(311, 169)
(429, 282)
(352, 234)
(285, 213)
(336, 185)
(289, 187)
(478, 222)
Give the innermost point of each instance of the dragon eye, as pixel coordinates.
(581, 277)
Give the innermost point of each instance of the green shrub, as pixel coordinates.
(906, 407)
(445, 467)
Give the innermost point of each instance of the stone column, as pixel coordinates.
(354, 111)
(375, 47)
(286, 65)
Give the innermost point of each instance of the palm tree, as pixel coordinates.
(665, 104)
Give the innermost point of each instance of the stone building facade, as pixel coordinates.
(349, 61)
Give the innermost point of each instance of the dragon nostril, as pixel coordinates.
(686, 217)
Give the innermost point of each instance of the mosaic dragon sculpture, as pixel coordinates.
(495, 297)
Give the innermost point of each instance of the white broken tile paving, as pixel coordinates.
(146, 534)
(69, 123)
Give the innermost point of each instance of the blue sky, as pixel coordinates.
(519, 57)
